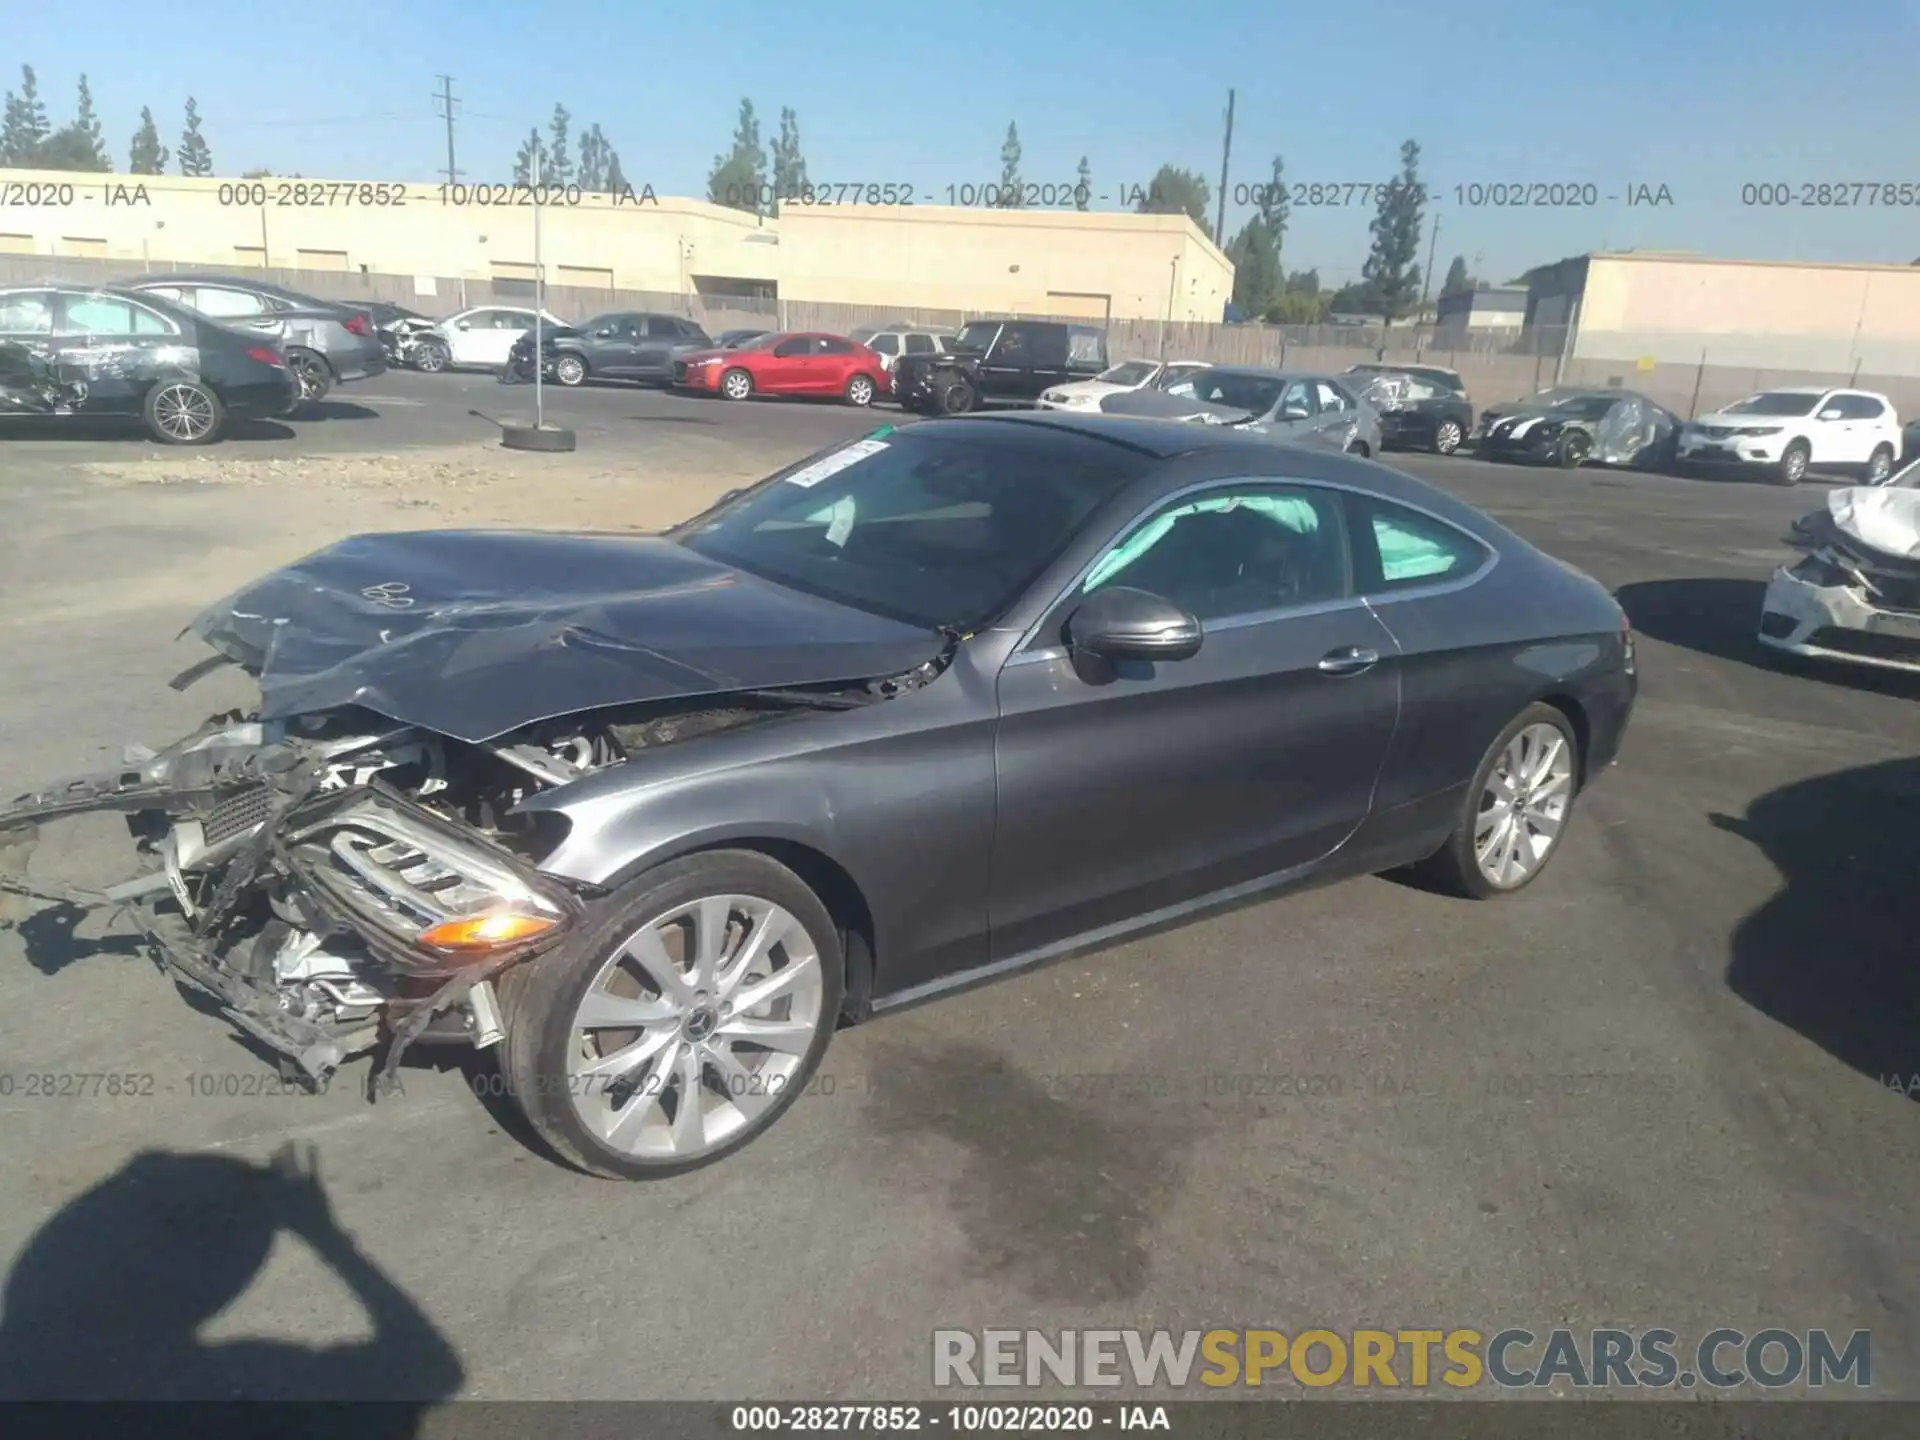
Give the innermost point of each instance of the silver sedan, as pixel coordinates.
(1319, 410)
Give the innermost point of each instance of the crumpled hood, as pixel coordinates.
(1161, 405)
(1884, 520)
(473, 633)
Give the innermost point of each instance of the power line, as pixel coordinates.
(445, 100)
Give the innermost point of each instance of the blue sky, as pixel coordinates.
(1701, 96)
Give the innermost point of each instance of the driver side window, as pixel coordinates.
(1236, 551)
(1298, 396)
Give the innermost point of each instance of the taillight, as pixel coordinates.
(1626, 641)
(358, 325)
(264, 355)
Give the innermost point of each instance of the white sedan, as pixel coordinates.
(1856, 594)
(1127, 375)
(480, 337)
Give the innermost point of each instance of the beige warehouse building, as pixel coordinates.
(1094, 264)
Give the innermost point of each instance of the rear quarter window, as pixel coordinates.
(1400, 548)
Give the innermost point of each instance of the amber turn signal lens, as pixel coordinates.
(487, 932)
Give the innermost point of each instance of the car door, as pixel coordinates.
(1005, 367)
(111, 340)
(1128, 788)
(242, 309)
(1862, 426)
(468, 338)
(1294, 411)
(28, 355)
(1049, 363)
(496, 340)
(1334, 412)
(784, 369)
(655, 339)
(838, 361)
(1829, 432)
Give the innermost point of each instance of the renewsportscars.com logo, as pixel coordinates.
(1721, 1359)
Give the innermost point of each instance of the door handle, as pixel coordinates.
(1349, 660)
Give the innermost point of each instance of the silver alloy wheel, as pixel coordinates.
(568, 370)
(311, 375)
(1446, 439)
(1523, 806)
(183, 412)
(1794, 464)
(1879, 467)
(860, 390)
(736, 385)
(694, 1027)
(433, 358)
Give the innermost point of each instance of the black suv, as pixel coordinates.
(624, 345)
(999, 362)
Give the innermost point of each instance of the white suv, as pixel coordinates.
(1793, 431)
(892, 341)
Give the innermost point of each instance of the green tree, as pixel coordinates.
(195, 158)
(1457, 281)
(616, 177)
(24, 128)
(1256, 269)
(87, 126)
(590, 173)
(1298, 307)
(789, 165)
(1392, 277)
(1304, 282)
(1083, 186)
(739, 177)
(1011, 185)
(69, 148)
(1174, 191)
(147, 155)
(532, 156)
(558, 169)
(1273, 206)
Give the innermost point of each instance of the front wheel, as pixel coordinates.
(860, 390)
(1447, 436)
(1515, 811)
(1574, 451)
(682, 1021)
(183, 412)
(957, 397)
(432, 356)
(1792, 468)
(570, 370)
(736, 385)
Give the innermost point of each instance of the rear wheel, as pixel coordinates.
(1515, 810)
(1447, 436)
(313, 373)
(736, 385)
(183, 412)
(1880, 466)
(682, 1022)
(860, 390)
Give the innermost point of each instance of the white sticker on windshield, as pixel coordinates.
(833, 464)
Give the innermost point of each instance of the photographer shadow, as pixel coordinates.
(108, 1299)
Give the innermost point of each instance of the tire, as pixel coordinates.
(183, 412)
(626, 1132)
(1880, 466)
(860, 390)
(1792, 468)
(1447, 436)
(570, 370)
(736, 384)
(432, 356)
(1456, 866)
(1359, 447)
(312, 371)
(956, 397)
(1574, 451)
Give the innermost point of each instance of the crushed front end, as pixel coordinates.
(1855, 593)
(335, 883)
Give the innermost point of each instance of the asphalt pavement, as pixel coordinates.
(1666, 1086)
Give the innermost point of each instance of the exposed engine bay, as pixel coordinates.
(338, 882)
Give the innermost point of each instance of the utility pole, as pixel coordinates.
(1226, 157)
(1426, 276)
(446, 102)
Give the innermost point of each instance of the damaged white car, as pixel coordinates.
(1855, 594)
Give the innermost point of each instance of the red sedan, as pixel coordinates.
(790, 363)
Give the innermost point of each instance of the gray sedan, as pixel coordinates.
(1322, 410)
(649, 816)
(325, 342)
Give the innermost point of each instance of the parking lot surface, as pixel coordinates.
(1667, 1086)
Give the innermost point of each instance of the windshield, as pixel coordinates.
(1586, 407)
(930, 530)
(977, 336)
(1775, 402)
(1178, 375)
(1129, 372)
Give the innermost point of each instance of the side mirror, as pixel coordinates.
(1293, 412)
(463, 324)
(732, 494)
(1119, 623)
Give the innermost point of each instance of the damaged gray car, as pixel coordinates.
(645, 817)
